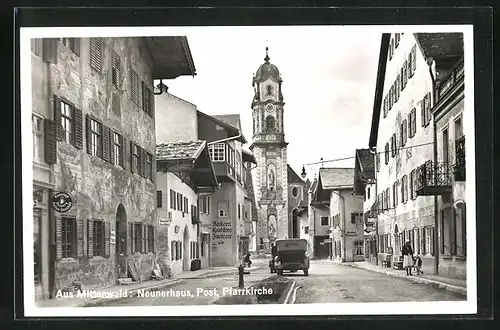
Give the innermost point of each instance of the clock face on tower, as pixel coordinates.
(269, 107)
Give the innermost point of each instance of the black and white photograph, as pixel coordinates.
(248, 170)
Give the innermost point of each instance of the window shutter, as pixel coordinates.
(144, 156)
(153, 166)
(132, 166)
(105, 143)
(88, 133)
(414, 60)
(405, 132)
(422, 114)
(49, 49)
(90, 238)
(79, 238)
(125, 159)
(78, 128)
(76, 50)
(155, 235)
(57, 118)
(111, 147)
(132, 238)
(143, 89)
(431, 234)
(159, 199)
(96, 46)
(50, 141)
(151, 103)
(145, 230)
(129, 239)
(58, 238)
(116, 65)
(107, 234)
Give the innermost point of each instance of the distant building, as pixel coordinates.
(319, 224)
(402, 133)
(94, 146)
(185, 174)
(335, 190)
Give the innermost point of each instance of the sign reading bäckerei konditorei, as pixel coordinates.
(222, 232)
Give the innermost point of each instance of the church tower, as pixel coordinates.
(269, 148)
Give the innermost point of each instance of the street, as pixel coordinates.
(326, 283)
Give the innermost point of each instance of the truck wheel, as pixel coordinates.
(306, 272)
(272, 270)
(280, 272)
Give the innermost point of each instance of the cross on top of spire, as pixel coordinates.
(267, 55)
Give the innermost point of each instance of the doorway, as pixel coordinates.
(121, 242)
(295, 224)
(186, 250)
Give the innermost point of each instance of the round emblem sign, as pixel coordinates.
(62, 202)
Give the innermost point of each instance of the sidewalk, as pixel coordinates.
(120, 292)
(449, 284)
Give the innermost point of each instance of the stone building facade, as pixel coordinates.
(94, 99)
(270, 150)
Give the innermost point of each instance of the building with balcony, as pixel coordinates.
(445, 177)
(94, 157)
(346, 234)
(185, 175)
(319, 225)
(409, 66)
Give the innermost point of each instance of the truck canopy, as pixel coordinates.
(291, 244)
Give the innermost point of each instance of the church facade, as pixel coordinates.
(270, 150)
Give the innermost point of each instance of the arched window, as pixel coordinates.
(269, 90)
(270, 123)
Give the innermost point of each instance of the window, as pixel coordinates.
(172, 199)
(68, 237)
(385, 106)
(405, 189)
(397, 38)
(387, 153)
(149, 166)
(391, 48)
(426, 109)
(151, 239)
(269, 90)
(219, 128)
(393, 145)
(67, 122)
(429, 240)
(96, 52)
(356, 218)
(186, 205)
(72, 43)
(306, 230)
(95, 138)
(404, 74)
(368, 192)
(458, 128)
(37, 256)
(239, 211)
(204, 204)
(412, 125)
(324, 221)
(403, 132)
(147, 100)
(98, 238)
(378, 161)
(115, 69)
(37, 46)
(387, 198)
(37, 137)
(412, 58)
(134, 86)
(135, 158)
(137, 237)
(295, 191)
(270, 123)
(117, 149)
(397, 87)
(395, 194)
(223, 209)
(217, 152)
(179, 202)
(358, 248)
(159, 199)
(173, 251)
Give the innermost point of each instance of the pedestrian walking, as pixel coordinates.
(407, 253)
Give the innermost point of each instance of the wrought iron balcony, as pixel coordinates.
(433, 179)
(459, 166)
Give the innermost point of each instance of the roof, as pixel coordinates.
(171, 57)
(248, 156)
(336, 177)
(251, 194)
(441, 45)
(314, 184)
(179, 150)
(303, 203)
(267, 70)
(292, 176)
(233, 120)
(379, 88)
(366, 160)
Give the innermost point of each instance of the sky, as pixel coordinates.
(328, 85)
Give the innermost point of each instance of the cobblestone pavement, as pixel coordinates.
(330, 283)
(189, 293)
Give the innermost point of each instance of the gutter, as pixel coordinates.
(226, 139)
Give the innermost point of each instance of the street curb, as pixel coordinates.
(226, 272)
(133, 293)
(440, 285)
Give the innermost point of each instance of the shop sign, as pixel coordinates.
(62, 202)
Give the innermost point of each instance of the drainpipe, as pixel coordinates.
(373, 150)
(430, 61)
